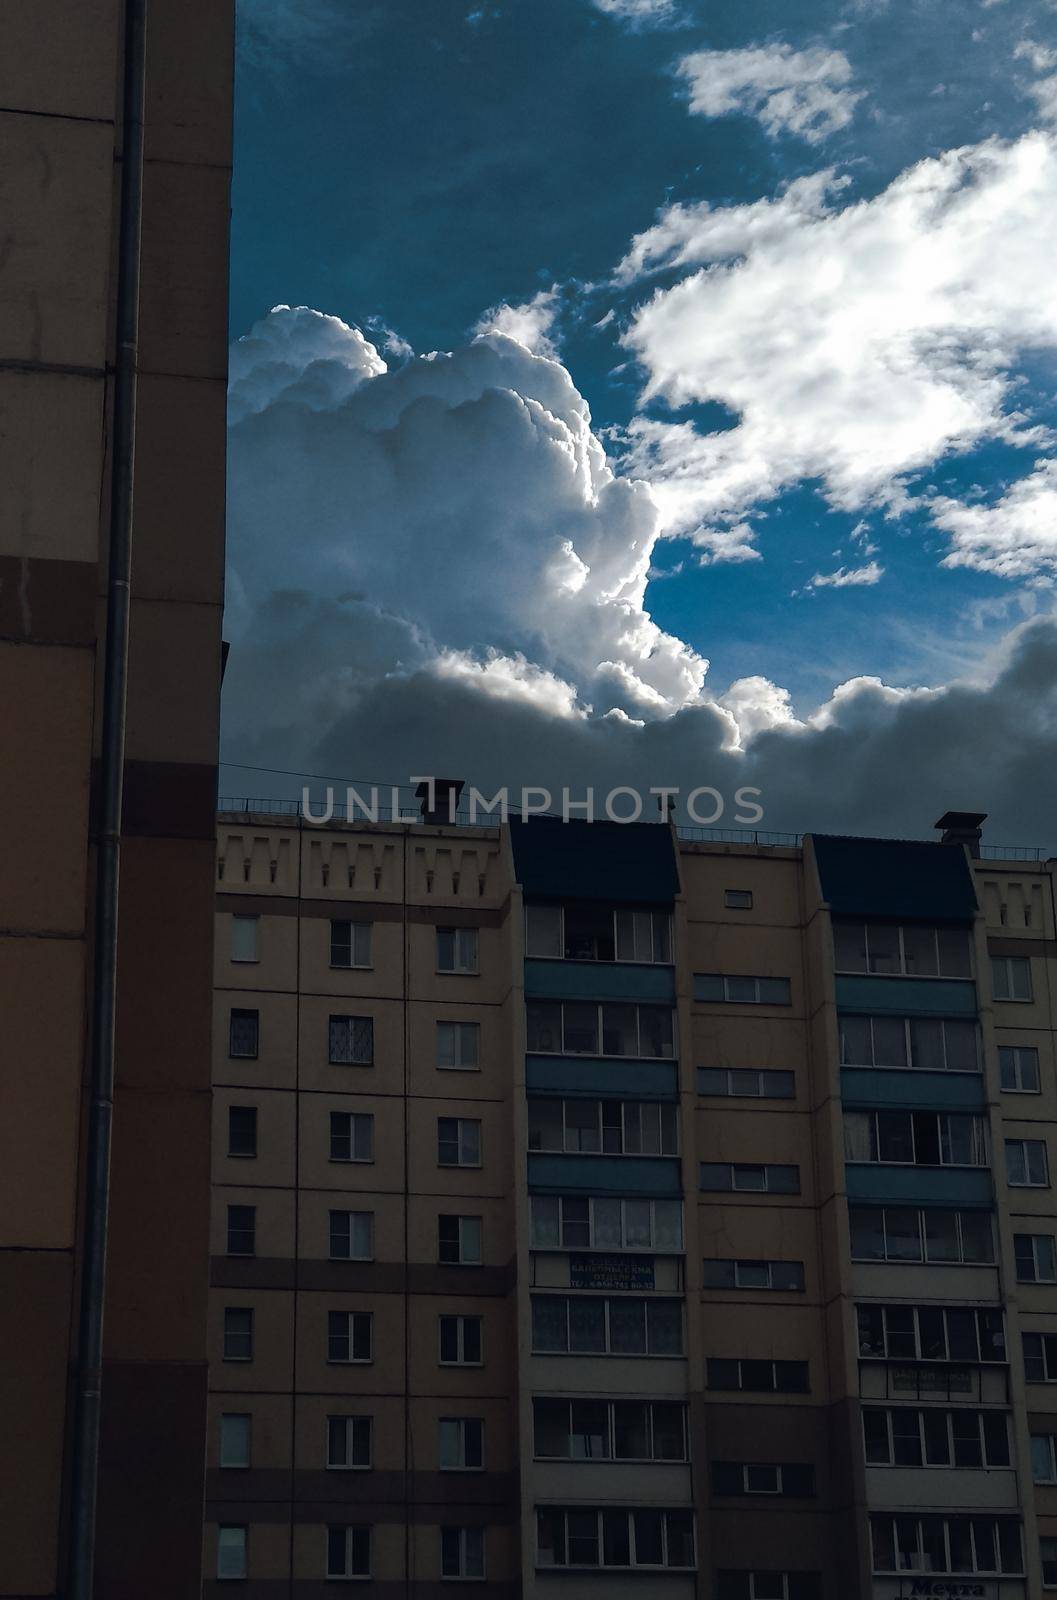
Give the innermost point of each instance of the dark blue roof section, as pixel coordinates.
(912, 879)
(627, 863)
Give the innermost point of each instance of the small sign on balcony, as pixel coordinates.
(611, 1272)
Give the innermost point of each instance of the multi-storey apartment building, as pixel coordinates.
(603, 1212)
(113, 364)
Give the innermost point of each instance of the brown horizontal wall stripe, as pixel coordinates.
(360, 1277)
(483, 1500)
(265, 905)
(999, 945)
(47, 602)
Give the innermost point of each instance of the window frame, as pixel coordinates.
(978, 1135)
(464, 1429)
(243, 1546)
(615, 913)
(335, 1233)
(979, 1316)
(350, 1531)
(355, 926)
(462, 1030)
(904, 972)
(736, 1262)
(628, 1513)
(241, 919)
(1009, 965)
(736, 1075)
(1014, 1052)
(610, 1456)
(909, 1064)
(949, 1418)
(460, 1217)
(1018, 1256)
(593, 1243)
(769, 1169)
(741, 1362)
(725, 979)
(249, 1334)
(944, 1518)
(350, 1420)
(460, 958)
(601, 1125)
(354, 1326)
(241, 1016)
(923, 1213)
(464, 1534)
(245, 1417)
(350, 1021)
(648, 1303)
(460, 1319)
(1024, 1146)
(247, 1229)
(601, 1054)
(356, 1119)
(462, 1125)
(254, 1120)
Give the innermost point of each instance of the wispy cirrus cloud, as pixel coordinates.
(848, 577)
(804, 92)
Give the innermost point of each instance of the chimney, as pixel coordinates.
(439, 798)
(962, 827)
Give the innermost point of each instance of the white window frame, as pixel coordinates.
(463, 1575)
(250, 927)
(924, 1259)
(737, 1085)
(611, 1456)
(746, 1167)
(632, 1564)
(460, 1429)
(601, 1053)
(647, 1353)
(941, 1516)
(1007, 966)
(1049, 1374)
(910, 1064)
(468, 1140)
(252, 1333)
(360, 941)
(353, 1222)
(352, 1359)
(349, 1022)
(460, 1319)
(244, 1155)
(593, 1242)
(357, 1121)
(1035, 1237)
(1024, 1146)
(979, 1360)
(350, 1420)
(737, 899)
(350, 1531)
(616, 913)
(1049, 1444)
(251, 1230)
(246, 1418)
(566, 1148)
(1048, 1560)
(1015, 1054)
(950, 1465)
(728, 978)
(763, 1361)
(943, 1119)
(461, 1031)
(238, 1555)
(903, 972)
(466, 951)
(737, 1263)
(464, 1260)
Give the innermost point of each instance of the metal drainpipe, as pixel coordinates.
(85, 1467)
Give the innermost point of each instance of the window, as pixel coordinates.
(234, 1439)
(1011, 977)
(352, 1041)
(794, 1480)
(462, 1552)
(244, 936)
(460, 1341)
(457, 950)
(725, 1274)
(351, 1136)
(1040, 1357)
(243, 1034)
(897, 1233)
(348, 1552)
(461, 1444)
(607, 1127)
(1044, 1458)
(231, 1551)
(580, 1027)
(597, 933)
(1018, 1067)
(915, 1138)
(459, 1046)
(242, 1130)
(740, 1175)
(745, 991)
(589, 1325)
(768, 1586)
(609, 1430)
(582, 1222)
(242, 1230)
(932, 1333)
(946, 1544)
(350, 1336)
(927, 1044)
(737, 899)
(350, 944)
(1036, 1257)
(614, 1537)
(1048, 1557)
(764, 1083)
(757, 1377)
(913, 949)
(459, 1241)
(907, 1437)
(351, 1236)
(348, 1443)
(238, 1333)
(1026, 1164)
(458, 1142)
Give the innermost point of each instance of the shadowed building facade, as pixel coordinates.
(63, 131)
(602, 1212)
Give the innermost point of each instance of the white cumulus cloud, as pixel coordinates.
(1014, 536)
(856, 344)
(532, 323)
(805, 92)
(640, 13)
(848, 577)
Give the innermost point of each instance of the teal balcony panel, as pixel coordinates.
(598, 980)
(593, 1077)
(907, 997)
(607, 1175)
(920, 1186)
(897, 1088)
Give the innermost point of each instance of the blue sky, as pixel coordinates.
(409, 169)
